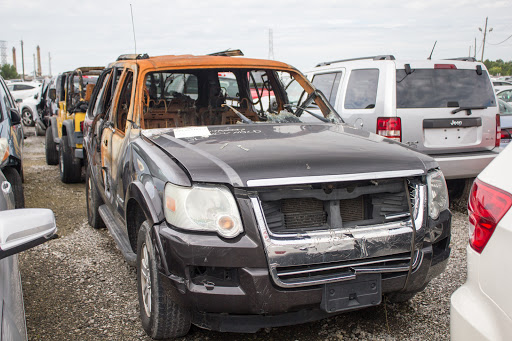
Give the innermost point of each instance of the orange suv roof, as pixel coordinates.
(191, 61)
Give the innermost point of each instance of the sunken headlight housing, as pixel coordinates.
(437, 194)
(203, 208)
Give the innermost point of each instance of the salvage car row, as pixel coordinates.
(251, 203)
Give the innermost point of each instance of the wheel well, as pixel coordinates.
(134, 218)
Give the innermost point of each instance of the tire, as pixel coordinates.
(161, 317)
(14, 178)
(458, 190)
(52, 155)
(26, 117)
(93, 202)
(70, 167)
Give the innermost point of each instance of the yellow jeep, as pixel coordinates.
(64, 139)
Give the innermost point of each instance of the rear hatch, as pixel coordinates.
(446, 106)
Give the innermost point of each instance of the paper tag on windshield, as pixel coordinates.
(181, 133)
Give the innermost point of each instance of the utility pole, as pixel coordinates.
(22, 62)
(475, 49)
(39, 69)
(35, 74)
(14, 58)
(485, 35)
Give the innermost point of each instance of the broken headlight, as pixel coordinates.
(203, 208)
(437, 194)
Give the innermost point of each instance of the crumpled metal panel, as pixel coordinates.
(336, 245)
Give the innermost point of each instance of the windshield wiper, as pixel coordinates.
(468, 109)
(242, 116)
(321, 118)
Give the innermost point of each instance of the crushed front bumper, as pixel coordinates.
(229, 285)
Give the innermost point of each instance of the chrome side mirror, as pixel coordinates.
(22, 229)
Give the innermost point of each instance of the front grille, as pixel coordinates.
(323, 208)
(325, 272)
(303, 213)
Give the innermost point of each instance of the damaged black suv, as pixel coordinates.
(240, 216)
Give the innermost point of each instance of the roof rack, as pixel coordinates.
(464, 59)
(132, 56)
(228, 53)
(380, 57)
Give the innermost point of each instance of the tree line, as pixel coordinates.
(499, 67)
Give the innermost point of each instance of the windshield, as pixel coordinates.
(442, 88)
(225, 96)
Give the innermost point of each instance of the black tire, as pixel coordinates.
(52, 155)
(14, 178)
(458, 190)
(27, 118)
(70, 167)
(93, 202)
(166, 319)
(400, 297)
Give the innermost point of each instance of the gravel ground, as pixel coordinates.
(78, 287)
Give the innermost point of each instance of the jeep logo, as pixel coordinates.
(456, 123)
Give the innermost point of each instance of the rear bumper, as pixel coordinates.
(473, 315)
(466, 165)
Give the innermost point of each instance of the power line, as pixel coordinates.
(510, 36)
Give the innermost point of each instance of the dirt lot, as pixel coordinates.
(78, 287)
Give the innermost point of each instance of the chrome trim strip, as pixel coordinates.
(465, 158)
(333, 178)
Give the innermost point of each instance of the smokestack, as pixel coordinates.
(14, 58)
(38, 61)
(22, 62)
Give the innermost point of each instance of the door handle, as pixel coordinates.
(106, 143)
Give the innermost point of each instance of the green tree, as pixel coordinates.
(8, 71)
(495, 70)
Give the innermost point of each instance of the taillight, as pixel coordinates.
(390, 127)
(487, 205)
(498, 131)
(505, 134)
(82, 126)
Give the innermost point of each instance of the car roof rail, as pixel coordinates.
(132, 56)
(380, 57)
(464, 59)
(228, 53)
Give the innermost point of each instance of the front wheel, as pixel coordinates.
(14, 178)
(26, 118)
(93, 202)
(161, 317)
(50, 148)
(70, 166)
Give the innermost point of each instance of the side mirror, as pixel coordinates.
(24, 228)
(15, 117)
(53, 94)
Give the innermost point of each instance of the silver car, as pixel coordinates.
(20, 229)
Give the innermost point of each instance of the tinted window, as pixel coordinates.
(441, 88)
(505, 108)
(505, 95)
(22, 87)
(362, 89)
(328, 83)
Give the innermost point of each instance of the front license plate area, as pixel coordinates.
(364, 291)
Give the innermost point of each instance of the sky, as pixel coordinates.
(91, 33)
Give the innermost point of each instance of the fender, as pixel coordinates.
(55, 132)
(137, 191)
(69, 127)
